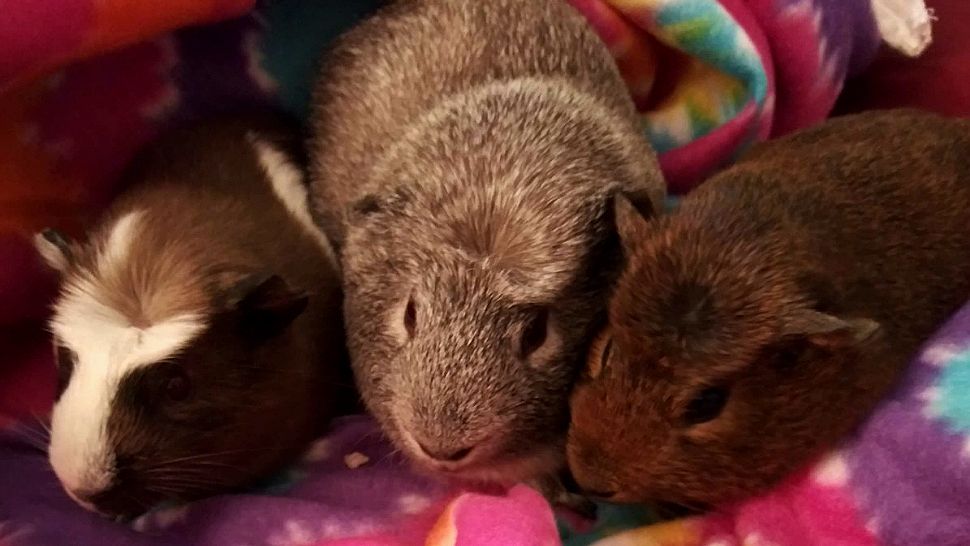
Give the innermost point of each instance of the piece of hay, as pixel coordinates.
(355, 460)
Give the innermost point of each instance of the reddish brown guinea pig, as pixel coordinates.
(762, 321)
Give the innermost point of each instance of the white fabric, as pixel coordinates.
(906, 25)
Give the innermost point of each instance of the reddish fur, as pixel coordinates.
(861, 218)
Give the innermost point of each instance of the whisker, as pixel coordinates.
(43, 423)
(214, 455)
(32, 438)
(27, 430)
(191, 485)
(197, 466)
(394, 451)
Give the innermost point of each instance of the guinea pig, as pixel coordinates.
(465, 158)
(198, 330)
(762, 321)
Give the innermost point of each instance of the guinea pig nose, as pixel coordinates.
(451, 456)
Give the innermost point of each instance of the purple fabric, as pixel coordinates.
(320, 499)
(910, 465)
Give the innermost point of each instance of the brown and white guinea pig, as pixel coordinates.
(198, 329)
(466, 158)
(761, 322)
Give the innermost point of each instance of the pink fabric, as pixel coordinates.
(713, 77)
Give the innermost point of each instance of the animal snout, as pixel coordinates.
(442, 451)
(116, 500)
(445, 454)
(85, 498)
(118, 495)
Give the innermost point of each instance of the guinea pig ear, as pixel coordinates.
(55, 249)
(829, 331)
(632, 212)
(267, 302)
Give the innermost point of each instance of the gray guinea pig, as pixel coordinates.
(198, 328)
(466, 159)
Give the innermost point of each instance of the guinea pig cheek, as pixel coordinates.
(588, 450)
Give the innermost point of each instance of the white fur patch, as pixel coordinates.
(107, 348)
(288, 184)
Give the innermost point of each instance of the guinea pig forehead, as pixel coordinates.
(108, 338)
(455, 281)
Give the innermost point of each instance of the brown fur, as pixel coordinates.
(261, 386)
(769, 281)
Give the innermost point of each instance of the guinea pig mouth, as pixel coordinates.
(123, 502)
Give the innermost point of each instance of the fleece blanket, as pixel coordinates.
(85, 83)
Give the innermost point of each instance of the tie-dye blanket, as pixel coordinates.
(711, 77)
(85, 83)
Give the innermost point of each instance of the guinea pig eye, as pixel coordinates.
(706, 406)
(534, 334)
(65, 360)
(177, 385)
(411, 317)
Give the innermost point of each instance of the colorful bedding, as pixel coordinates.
(85, 83)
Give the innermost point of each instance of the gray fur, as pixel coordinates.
(467, 154)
